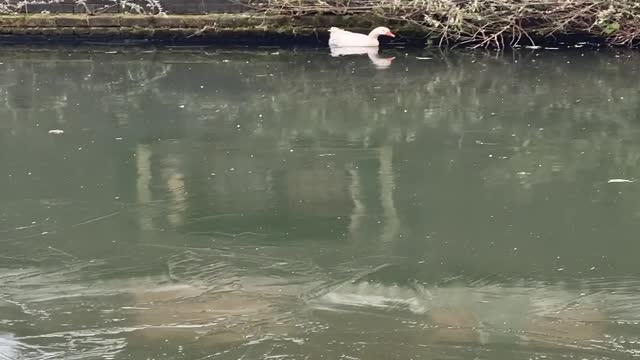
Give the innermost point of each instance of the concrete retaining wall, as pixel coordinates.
(215, 28)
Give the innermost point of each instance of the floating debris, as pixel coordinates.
(56, 131)
(620, 181)
(423, 58)
(479, 142)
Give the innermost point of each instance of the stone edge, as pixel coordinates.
(256, 27)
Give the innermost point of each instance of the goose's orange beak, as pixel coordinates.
(389, 33)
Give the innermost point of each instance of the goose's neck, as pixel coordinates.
(373, 34)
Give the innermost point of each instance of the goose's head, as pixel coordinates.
(381, 30)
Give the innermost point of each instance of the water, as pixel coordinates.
(281, 204)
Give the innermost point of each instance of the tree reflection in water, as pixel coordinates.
(276, 202)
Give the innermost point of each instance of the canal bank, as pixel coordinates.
(234, 28)
(230, 28)
(443, 23)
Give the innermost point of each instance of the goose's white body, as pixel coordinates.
(341, 38)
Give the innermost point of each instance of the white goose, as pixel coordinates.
(339, 37)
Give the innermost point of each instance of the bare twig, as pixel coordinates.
(205, 28)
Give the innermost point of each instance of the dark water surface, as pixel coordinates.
(281, 204)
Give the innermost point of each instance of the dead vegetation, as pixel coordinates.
(26, 7)
(485, 23)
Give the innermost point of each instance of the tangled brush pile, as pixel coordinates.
(489, 23)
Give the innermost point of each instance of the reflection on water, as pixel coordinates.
(227, 204)
(371, 52)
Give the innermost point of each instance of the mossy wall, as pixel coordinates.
(237, 28)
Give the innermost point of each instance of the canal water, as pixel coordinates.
(202, 203)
